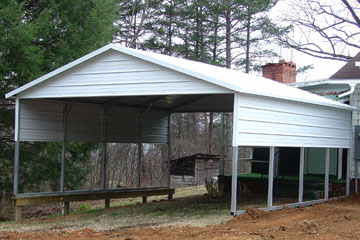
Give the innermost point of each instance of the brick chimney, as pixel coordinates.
(283, 72)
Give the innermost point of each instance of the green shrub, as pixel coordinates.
(84, 207)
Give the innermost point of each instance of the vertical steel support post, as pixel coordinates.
(104, 157)
(327, 167)
(222, 149)
(271, 176)
(356, 175)
(169, 150)
(340, 163)
(63, 146)
(301, 174)
(17, 152)
(235, 156)
(139, 147)
(235, 150)
(348, 161)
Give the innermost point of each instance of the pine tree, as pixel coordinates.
(37, 37)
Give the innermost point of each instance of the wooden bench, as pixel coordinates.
(70, 196)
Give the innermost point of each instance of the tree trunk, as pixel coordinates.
(211, 121)
(247, 58)
(206, 132)
(228, 34)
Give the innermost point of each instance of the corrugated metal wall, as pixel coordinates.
(267, 121)
(116, 74)
(42, 121)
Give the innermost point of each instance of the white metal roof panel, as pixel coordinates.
(231, 79)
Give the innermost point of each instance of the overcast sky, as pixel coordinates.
(322, 68)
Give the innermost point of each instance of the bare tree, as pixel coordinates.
(327, 29)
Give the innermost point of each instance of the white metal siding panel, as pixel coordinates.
(123, 126)
(154, 127)
(84, 123)
(273, 122)
(117, 74)
(40, 120)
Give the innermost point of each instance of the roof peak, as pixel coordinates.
(350, 70)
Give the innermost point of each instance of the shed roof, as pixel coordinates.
(226, 78)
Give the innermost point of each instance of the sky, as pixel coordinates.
(322, 68)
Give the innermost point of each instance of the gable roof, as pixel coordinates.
(230, 79)
(349, 70)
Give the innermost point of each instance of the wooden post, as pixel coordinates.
(144, 199)
(170, 196)
(271, 176)
(18, 213)
(66, 208)
(327, 167)
(107, 203)
(301, 174)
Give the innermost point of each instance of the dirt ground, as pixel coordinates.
(333, 220)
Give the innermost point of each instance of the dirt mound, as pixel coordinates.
(256, 213)
(250, 214)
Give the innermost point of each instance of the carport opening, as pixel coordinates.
(122, 157)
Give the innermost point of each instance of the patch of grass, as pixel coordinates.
(190, 206)
(82, 208)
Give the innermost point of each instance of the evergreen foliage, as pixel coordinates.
(231, 33)
(36, 37)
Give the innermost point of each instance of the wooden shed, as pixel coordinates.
(193, 170)
(118, 94)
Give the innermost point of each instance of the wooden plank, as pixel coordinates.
(82, 196)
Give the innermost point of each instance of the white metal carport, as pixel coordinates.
(117, 94)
